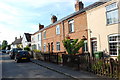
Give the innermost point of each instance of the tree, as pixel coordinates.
(4, 44)
(73, 46)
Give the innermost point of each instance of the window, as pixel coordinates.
(57, 29)
(71, 26)
(85, 46)
(44, 47)
(44, 34)
(114, 44)
(112, 13)
(94, 45)
(58, 46)
(38, 37)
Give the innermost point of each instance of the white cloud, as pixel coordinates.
(19, 16)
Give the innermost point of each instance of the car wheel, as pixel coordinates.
(18, 61)
(28, 60)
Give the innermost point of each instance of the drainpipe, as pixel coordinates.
(63, 29)
(63, 32)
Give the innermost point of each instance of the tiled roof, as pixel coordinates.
(17, 41)
(94, 5)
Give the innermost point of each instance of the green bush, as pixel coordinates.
(72, 47)
(37, 51)
(97, 65)
(27, 48)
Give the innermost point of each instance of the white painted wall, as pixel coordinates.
(97, 27)
(36, 41)
(24, 41)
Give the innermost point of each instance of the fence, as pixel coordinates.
(50, 57)
(104, 67)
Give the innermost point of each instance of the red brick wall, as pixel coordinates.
(80, 24)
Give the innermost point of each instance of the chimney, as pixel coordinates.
(15, 38)
(79, 5)
(41, 26)
(20, 37)
(53, 19)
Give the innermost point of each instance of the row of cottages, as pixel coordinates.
(97, 23)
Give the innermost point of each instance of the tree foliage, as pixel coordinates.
(4, 44)
(73, 46)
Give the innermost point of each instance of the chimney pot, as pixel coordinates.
(41, 26)
(15, 38)
(53, 19)
(79, 5)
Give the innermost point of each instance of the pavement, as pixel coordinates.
(81, 75)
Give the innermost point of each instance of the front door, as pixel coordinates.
(93, 45)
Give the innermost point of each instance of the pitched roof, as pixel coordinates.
(28, 36)
(94, 5)
(17, 41)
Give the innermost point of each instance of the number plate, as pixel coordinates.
(24, 58)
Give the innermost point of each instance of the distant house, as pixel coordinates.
(36, 41)
(17, 43)
(26, 40)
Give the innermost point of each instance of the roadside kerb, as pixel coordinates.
(55, 70)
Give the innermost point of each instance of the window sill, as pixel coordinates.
(71, 32)
(111, 24)
(113, 55)
(57, 34)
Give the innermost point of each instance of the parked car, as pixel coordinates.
(3, 51)
(22, 56)
(13, 52)
(8, 51)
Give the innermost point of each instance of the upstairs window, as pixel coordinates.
(44, 34)
(71, 26)
(57, 29)
(112, 13)
(38, 37)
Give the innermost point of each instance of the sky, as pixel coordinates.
(23, 16)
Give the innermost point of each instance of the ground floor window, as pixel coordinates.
(58, 46)
(85, 46)
(44, 47)
(34, 47)
(114, 44)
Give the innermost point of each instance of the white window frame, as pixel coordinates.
(58, 29)
(117, 41)
(38, 37)
(71, 28)
(85, 46)
(44, 34)
(58, 46)
(44, 47)
(110, 9)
